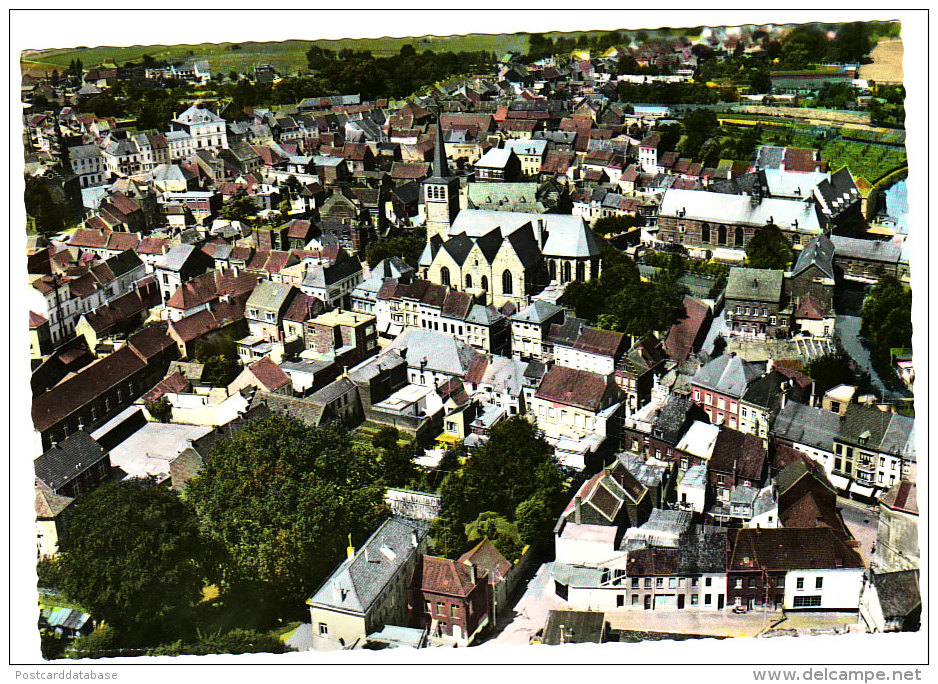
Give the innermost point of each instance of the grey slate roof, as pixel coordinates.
(566, 235)
(434, 352)
(701, 552)
(538, 312)
(808, 425)
(899, 593)
(819, 252)
(269, 295)
(483, 315)
(68, 459)
(870, 250)
(358, 581)
(176, 257)
(728, 374)
(755, 284)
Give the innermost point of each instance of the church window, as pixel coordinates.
(721, 235)
(705, 232)
(566, 272)
(506, 282)
(581, 271)
(468, 281)
(485, 283)
(444, 276)
(738, 237)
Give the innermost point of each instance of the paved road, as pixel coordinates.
(530, 613)
(847, 330)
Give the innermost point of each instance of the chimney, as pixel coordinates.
(811, 398)
(414, 541)
(472, 574)
(576, 510)
(336, 591)
(563, 634)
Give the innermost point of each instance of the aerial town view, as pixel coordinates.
(470, 341)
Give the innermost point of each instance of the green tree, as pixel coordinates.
(449, 537)
(769, 248)
(499, 531)
(535, 520)
(235, 642)
(160, 409)
(407, 246)
(830, 370)
(281, 498)
(886, 322)
(134, 557)
(396, 456)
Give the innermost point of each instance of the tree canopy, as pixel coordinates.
(769, 248)
(407, 246)
(512, 467)
(886, 322)
(281, 499)
(134, 557)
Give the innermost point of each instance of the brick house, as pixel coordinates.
(791, 569)
(76, 464)
(636, 369)
(719, 385)
(450, 599)
(737, 459)
(754, 305)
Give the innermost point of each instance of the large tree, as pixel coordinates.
(769, 248)
(281, 498)
(887, 322)
(134, 557)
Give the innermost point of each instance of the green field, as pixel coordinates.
(288, 56)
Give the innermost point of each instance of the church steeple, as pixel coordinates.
(440, 166)
(440, 190)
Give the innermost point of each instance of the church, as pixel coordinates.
(505, 256)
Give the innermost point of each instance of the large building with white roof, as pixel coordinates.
(711, 220)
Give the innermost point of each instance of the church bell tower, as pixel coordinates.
(440, 191)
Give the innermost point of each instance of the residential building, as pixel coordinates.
(180, 265)
(753, 301)
(73, 466)
(450, 599)
(636, 371)
(52, 513)
(874, 449)
(206, 129)
(897, 543)
(793, 569)
(530, 328)
(719, 385)
(368, 590)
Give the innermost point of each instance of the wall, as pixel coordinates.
(840, 590)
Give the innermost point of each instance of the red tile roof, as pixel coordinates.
(269, 374)
(175, 383)
(684, 332)
(487, 558)
(35, 320)
(410, 170)
(302, 308)
(598, 341)
(783, 549)
(740, 453)
(444, 576)
(571, 387)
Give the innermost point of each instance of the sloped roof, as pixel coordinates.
(783, 549)
(68, 459)
(819, 252)
(755, 284)
(49, 505)
(902, 496)
(486, 557)
(444, 576)
(728, 374)
(685, 331)
(269, 374)
(740, 453)
(358, 581)
(572, 387)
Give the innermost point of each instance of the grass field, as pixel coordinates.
(288, 56)
(887, 62)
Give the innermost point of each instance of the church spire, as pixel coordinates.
(440, 167)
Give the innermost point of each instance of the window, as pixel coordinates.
(468, 281)
(453, 611)
(696, 395)
(752, 582)
(738, 237)
(648, 582)
(707, 599)
(485, 283)
(659, 582)
(694, 599)
(705, 232)
(818, 582)
(672, 582)
(444, 276)
(323, 629)
(708, 581)
(620, 600)
(440, 609)
(807, 602)
(799, 584)
(427, 607)
(506, 282)
(635, 582)
(739, 584)
(694, 582)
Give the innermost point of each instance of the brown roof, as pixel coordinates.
(50, 407)
(557, 162)
(409, 170)
(152, 245)
(902, 497)
(150, 342)
(598, 341)
(444, 576)
(651, 561)
(783, 549)
(299, 229)
(811, 309)
(477, 370)
(123, 204)
(35, 320)
(808, 512)
(456, 304)
(83, 237)
(684, 332)
(800, 160)
(145, 297)
(487, 558)
(205, 321)
(177, 382)
(302, 308)
(572, 387)
(740, 452)
(269, 374)
(49, 505)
